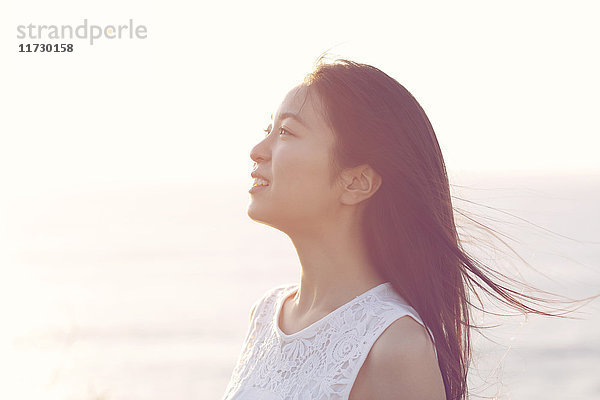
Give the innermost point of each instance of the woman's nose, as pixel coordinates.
(258, 153)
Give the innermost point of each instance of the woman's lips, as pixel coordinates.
(257, 188)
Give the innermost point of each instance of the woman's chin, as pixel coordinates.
(255, 211)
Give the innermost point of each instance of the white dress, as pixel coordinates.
(319, 362)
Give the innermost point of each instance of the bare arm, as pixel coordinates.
(401, 365)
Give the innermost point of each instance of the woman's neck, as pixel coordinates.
(335, 269)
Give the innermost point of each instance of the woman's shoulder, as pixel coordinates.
(270, 297)
(402, 360)
(273, 293)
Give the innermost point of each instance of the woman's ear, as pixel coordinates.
(359, 183)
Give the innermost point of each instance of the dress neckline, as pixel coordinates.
(294, 289)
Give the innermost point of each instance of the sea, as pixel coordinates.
(143, 291)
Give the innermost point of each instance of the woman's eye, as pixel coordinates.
(281, 130)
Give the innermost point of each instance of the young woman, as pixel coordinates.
(351, 170)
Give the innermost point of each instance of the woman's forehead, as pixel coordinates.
(303, 103)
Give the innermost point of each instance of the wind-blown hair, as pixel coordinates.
(408, 224)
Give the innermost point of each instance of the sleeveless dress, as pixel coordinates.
(319, 362)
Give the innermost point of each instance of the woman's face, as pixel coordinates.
(294, 157)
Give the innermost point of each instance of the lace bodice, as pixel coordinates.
(318, 362)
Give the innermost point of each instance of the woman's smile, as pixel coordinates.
(257, 186)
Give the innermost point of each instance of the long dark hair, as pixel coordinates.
(408, 224)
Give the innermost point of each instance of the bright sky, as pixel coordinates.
(508, 86)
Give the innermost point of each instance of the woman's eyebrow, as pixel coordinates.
(293, 116)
